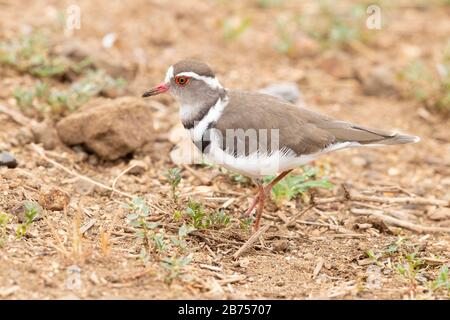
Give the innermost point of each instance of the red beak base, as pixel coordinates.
(161, 88)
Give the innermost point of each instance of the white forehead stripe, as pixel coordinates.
(169, 74)
(212, 82)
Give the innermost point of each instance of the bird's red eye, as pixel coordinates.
(182, 81)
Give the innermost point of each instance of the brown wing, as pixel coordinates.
(300, 130)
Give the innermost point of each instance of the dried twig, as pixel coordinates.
(41, 153)
(247, 245)
(16, 116)
(318, 267)
(293, 219)
(400, 223)
(404, 200)
(119, 176)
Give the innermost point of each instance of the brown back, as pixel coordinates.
(300, 130)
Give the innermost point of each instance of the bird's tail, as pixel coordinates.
(399, 139)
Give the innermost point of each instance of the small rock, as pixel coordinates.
(8, 160)
(45, 133)
(83, 187)
(54, 199)
(393, 172)
(280, 245)
(93, 159)
(139, 167)
(380, 81)
(280, 283)
(82, 156)
(24, 136)
(112, 128)
(359, 161)
(287, 91)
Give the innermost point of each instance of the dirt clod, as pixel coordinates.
(53, 199)
(111, 129)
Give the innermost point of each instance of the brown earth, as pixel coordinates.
(324, 254)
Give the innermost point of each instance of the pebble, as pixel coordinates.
(8, 160)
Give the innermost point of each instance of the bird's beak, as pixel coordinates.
(161, 88)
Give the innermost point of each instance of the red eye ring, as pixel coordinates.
(182, 80)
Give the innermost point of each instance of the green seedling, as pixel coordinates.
(293, 185)
(31, 213)
(196, 213)
(442, 281)
(219, 218)
(430, 85)
(234, 27)
(174, 178)
(61, 101)
(179, 241)
(137, 219)
(201, 220)
(175, 267)
(32, 54)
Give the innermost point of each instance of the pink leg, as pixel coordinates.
(261, 197)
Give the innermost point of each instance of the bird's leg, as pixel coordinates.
(262, 194)
(258, 182)
(261, 198)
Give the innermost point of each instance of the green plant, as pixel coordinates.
(175, 266)
(442, 281)
(269, 3)
(174, 178)
(409, 267)
(32, 54)
(245, 223)
(219, 218)
(285, 36)
(234, 27)
(293, 185)
(179, 240)
(197, 214)
(239, 178)
(374, 257)
(137, 219)
(430, 86)
(30, 214)
(333, 27)
(59, 101)
(4, 220)
(199, 219)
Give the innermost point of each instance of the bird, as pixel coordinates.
(256, 134)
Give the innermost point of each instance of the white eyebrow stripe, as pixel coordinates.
(212, 82)
(169, 74)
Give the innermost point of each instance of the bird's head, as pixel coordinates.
(190, 82)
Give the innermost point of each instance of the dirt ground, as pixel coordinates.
(329, 252)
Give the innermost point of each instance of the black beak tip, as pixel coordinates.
(146, 94)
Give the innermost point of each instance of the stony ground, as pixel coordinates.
(381, 232)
